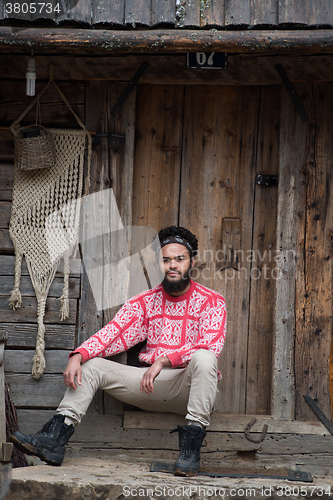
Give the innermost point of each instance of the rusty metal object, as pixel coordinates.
(255, 439)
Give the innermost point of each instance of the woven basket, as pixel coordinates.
(34, 148)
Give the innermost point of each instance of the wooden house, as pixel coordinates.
(241, 156)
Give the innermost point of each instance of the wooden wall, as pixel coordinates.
(195, 13)
(21, 324)
(190, 156)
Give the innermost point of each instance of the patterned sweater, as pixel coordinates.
(173, 326)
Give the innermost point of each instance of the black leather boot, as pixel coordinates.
(49, 443)
(190, 441)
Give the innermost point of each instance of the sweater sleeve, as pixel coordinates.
(127, 329)
(212, 332)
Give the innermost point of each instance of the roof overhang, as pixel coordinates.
(98, 41)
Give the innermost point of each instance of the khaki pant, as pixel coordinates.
(189, 391)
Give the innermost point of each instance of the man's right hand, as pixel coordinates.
(72, 370)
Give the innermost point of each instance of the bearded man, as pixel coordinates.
(184, 326)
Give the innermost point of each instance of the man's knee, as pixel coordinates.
(203, 360)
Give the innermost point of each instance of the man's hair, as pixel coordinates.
(184, 233)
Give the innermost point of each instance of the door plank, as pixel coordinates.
(218, 181)
(263, 269)
(314, 291)
(290, 223)
(157, 155)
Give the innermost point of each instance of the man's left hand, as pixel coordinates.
(147, 381)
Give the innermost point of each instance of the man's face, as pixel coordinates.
(176, 264)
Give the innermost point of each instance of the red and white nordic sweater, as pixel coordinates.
(175, 327)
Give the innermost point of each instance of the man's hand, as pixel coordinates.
(72, 370)
(149, 376)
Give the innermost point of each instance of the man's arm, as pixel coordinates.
(147, 381)
(72, 370)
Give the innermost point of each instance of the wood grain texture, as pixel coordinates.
(24, 335)
(290, 217)
(17, 361)
(27, 313)
(188, 14)
(263, 265)
(163, 12)
(137, 12)
(27, 392)
(27, 290)
(314, 324)
(243, 69)
(218, 181)
(223, 423)
(263, 12)
(111, 13)
(212, 13)
(81, 12)
(54, 112)
(307, 13)
(88, 41)
(7, 267)
(159, 118)
(237, 12)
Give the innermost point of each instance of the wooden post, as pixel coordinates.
(5, 448)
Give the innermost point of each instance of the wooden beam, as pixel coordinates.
(164, 41)
(243, 69)
(223, 423)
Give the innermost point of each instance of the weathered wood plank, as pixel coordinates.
(6, 194)
(290, 217)
(45, 392)
(243, 69)
(27, 313)
(105, 12)
(319, 13)
(157, 156)
(5, 211)
(6, 245)
(54, 112)
(6, 146)
(21, 361)
(80, 12)
(222, 423)
(314, 287)
(188, 14)
(6, 175)
(90, 318)
(212, 13)
(105, 431)
(24, 335)
(263, 270)
(237, 12)
(26, 288)
(163, 12)
(137, 13)
(263, 12)
(7, 267)
(220, 137)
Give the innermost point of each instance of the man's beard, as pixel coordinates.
(176, 286)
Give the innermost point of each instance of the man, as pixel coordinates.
(184, 325)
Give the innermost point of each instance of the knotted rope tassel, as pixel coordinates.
(15, 300)
(39, 360)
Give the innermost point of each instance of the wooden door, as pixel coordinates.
(198, 150)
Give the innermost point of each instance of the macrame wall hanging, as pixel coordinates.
(39, 196)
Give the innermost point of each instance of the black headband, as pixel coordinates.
(177, 239)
